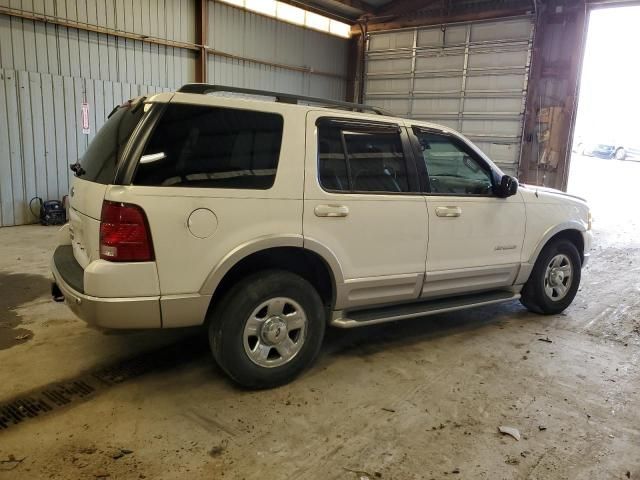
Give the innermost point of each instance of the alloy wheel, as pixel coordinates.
(275, 331)
(558, 277)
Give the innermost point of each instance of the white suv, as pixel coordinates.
(268, 220)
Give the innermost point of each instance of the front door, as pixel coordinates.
(475, 237)
(362, 203)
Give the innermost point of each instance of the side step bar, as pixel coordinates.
(360, 318)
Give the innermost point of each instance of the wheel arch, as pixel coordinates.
(535, 294)
(310, 260)
(572, 231)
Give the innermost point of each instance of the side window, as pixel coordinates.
(451, 168)
(354, 160)
(199, 146)
(376, 162)
(332, 163)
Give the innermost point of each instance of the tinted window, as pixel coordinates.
(332, 162)
(377, 162)
(372, 162)
(451, 168)
(103, 156)
(196, 146)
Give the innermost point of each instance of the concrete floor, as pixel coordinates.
(414, 400)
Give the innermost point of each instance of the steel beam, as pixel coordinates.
(89, 27)
(404, 7)
(295, 68)
(357, 5)
(353, 59)
(202, 27)
(194, 47)
(426, 20)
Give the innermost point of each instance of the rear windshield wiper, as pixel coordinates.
(77, 169)
(115, 109)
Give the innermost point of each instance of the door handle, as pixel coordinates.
(448, 211)
(331, 211)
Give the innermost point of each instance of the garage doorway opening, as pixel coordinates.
(605, 162)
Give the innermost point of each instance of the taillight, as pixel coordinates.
(124, 233)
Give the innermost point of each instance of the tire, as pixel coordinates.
(620, 154)
(249, 328)
(548, 292)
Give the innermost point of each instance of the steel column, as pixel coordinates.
(202, 27)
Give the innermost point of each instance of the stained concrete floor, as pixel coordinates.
(413, 400)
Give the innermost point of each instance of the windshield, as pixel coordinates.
(101, 160)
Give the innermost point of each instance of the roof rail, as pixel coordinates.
(204, 88)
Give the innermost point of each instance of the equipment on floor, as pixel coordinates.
(51, 212)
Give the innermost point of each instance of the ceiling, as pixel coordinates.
(397, 13)
(349, 9)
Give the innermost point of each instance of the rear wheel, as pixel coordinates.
(267, 329)
(620, 154)
(554, 280)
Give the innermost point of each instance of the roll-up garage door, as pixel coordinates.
(468, 76)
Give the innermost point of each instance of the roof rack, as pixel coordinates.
(205, 88)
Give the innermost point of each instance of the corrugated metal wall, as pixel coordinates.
(470, 76)
(41, 133)
(48, 70)
(246, 34)
(46, 48)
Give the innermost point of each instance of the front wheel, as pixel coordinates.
(267, 329)
(554, 280)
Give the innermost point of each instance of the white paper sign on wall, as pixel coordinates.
(85, 118)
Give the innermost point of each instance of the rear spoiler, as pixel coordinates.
(132, 103)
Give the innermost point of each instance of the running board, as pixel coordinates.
(360, 318)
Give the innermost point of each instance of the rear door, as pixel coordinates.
(363, 204)
(97, 169)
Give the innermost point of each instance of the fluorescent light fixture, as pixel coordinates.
(291, 14)
(237, 3)
(317, 22)
(265, 7)
(339, 28)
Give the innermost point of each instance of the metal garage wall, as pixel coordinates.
(41, 133)
(47, 71)
(471, 77)
(241, 33)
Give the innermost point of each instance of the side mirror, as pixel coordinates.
(508, 186)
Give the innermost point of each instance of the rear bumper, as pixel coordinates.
(102, 312)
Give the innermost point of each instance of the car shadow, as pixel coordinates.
(192, 350)
(369, 340)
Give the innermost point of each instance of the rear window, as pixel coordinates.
(199, 146)
(102, 158)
